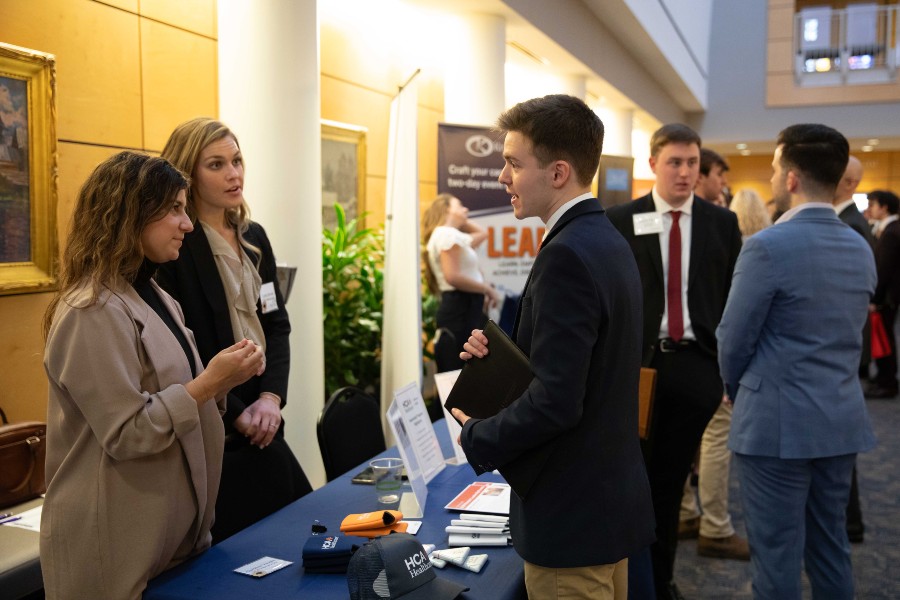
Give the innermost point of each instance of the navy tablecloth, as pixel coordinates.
(282, 535)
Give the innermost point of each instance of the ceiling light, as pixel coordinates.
(872, 142)
(741, 146)
(867, 148)
(745, 152)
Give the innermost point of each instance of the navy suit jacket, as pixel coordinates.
(715, 245)
(579, 322)
(789, 342)
(852, 217)
(193, 279)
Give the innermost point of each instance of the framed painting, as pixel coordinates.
(343, 170)
(28, 171)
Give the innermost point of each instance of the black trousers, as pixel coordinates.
(459, 313)
(887, 366)
(255, 483)
(688, 392)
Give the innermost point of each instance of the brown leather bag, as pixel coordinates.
(23, 447)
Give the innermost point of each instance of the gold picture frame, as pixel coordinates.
(28, 171)
(343, 170)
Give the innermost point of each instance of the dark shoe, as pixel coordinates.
(733, 547)
(878, 392)
(689, 529)
(671, 592)
(855, 532)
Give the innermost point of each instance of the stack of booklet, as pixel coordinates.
(479, 530)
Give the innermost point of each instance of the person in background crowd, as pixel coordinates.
(711, 183)
(134, 432)
(685, 266)
(453, 275)
(225, 280)
(789, 345)
(716, 535)
(579, 323)
(885, 207)
(846, 209)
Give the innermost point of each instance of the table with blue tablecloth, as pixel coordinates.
(282, 535)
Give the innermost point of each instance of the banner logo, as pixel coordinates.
(480, 146)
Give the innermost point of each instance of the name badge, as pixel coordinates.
(267, 298)
(647, 223)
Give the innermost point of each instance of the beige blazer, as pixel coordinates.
(133, 465)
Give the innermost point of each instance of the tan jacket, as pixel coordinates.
(133, 465)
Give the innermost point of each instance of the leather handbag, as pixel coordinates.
(23, 447)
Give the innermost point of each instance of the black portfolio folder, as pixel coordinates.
(488, 385)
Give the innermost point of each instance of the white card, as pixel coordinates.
(267, 300)
(475, 562)
(455, 556)
(445, 382)
(647, 223)
(412, 527)
(263, 566)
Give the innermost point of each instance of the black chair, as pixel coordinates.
(349, 431)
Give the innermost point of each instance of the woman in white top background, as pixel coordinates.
(453, 274)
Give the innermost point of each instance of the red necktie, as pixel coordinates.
(673, 287)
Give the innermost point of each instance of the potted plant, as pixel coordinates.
(353, 300)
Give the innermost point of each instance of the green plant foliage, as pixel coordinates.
(353, 301)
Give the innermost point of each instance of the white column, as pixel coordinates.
(617, 125)
(573, 85)
(474, 76)
(269, 96)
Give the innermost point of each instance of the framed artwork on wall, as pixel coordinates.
(343, 170)
(28, 171)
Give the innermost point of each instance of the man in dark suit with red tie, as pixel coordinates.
(686, 251)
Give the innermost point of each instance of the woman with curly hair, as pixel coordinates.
(134, 432)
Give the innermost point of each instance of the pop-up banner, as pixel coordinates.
(470, 160)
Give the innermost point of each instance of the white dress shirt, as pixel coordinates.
(684, 224)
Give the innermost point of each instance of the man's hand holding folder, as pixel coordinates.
(476, 347)
(486, 386)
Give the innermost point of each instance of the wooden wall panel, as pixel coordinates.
(97, 58)
(129, 5)
(180, 79)
(101, 108)
(23, 384)
(76, 162)
(197, 16)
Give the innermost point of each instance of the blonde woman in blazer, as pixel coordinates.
(134, 432)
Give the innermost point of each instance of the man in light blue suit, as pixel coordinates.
(789, 348)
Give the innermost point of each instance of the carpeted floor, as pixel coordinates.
(876, 561)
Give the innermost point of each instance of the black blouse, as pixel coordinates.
(149, 295)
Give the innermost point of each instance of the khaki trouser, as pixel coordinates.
(597, 582)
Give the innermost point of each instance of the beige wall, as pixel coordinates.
(128, 71)
(357, 88)
(881, 170)
(782, 88)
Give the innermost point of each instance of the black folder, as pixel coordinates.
(488, 385)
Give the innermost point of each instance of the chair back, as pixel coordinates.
(349, 431)
(646, 394)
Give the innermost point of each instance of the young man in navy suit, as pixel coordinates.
(685, 250)
(789, 347)
(579, 322)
